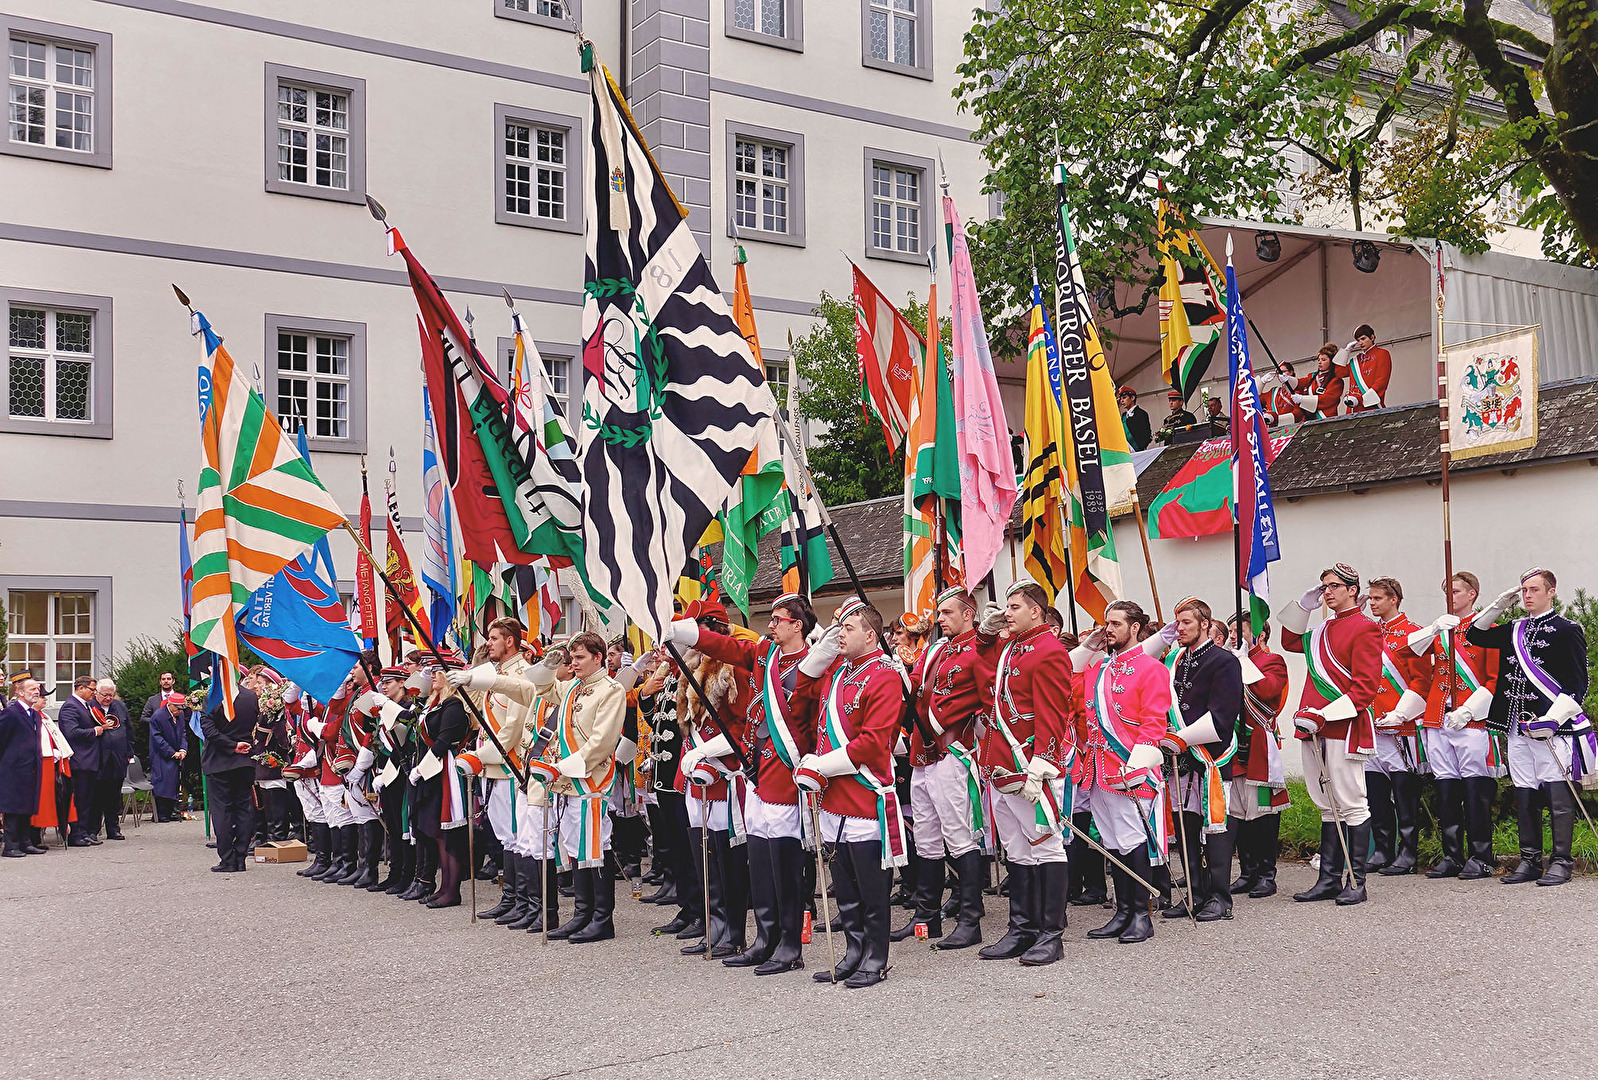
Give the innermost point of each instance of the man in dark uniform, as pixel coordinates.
(1134, 419)
(110, 712)
(230, 771)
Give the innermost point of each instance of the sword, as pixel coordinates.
(1108, 854)
(471, 844)
(821, 879)
(543, 870)
(1331, 797)
(1181, 829)
(704, 863)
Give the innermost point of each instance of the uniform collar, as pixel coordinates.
(1388, 624)
(1345, 614)
(594, 679)
(964, 636)
(1194, 651)
(856, 665)
(1032, 633)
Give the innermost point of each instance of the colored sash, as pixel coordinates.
(1047, 810)
(1391, 675)
(1323, 668)
(973, 788)
(890, 826)
(1214, 786)
(1584, 743)
(1358, 376)
(569, 738)
(929, 660)
(737, 831)
(774, 699)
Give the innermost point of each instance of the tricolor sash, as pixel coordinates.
(1324, 669)
(737, 831)
(1358, 376)
(929, 661)
(774, 699)
(569, 738)
(1584, 743)
(1047, 810)
(1214, 786)
(973, 788)
(1391, 675)
(890, 825)
(453, 813)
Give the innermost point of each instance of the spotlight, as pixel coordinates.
(1366, 256)
(1104, 296)
(1267, 246)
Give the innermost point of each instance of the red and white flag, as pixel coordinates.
(890, 353)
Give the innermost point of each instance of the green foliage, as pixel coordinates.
(137, 672)
(850, 459)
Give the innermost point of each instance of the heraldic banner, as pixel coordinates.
(1492, 393)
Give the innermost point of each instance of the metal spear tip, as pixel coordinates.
(508, 301)
(377, 210)
(183, 297)
(1228, 245)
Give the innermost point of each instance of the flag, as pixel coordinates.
(438, 532)
(673, 403)
(1254, 510)
(298, 625)
(988, 487)
(1192, 320)
(398, 567)
(1041, 517)
(932, 477)
(757, 505)
(806, 562)
(545, 442)
(890, 352)
(365, 579)
(197, 662)
(1098, 471)
(1197, 500)
(260, 506)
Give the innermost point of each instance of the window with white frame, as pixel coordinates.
(896, 208)
(760, 186)
(58, 92)
(313, 384)
(51, 636)
(777, 379)
(558, 368)
(535, 171)
(313, 136)
(50, 364)
(549, 9)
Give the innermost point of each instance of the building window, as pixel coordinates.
(777, 379)
(58, 92)
(318, 380)
(557, 365)
(53, 629)
(316, 134)
(898, 206)
(57, 374)
(897, 36)
(540, 170)
(770, 22)
(765, 184)
(559, 14)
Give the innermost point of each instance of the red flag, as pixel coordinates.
(365, 580)
(399, 572)
(890, 352)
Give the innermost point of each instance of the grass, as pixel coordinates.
(1301, 827)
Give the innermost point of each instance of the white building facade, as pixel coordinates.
(227, 147)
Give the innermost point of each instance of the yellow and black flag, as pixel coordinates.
(1042, 527)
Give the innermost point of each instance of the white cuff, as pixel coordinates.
(1083, 657)
(835, 763)
(1411, 705)
(482, 677)
(1421, 640)
(364, 759)
(1042, 768)
(389, 714)
(720, 746)
(1479, 704)
(1339, 708)
(1293, 617)
(1155, 646)
(1251, 674)
(1144, 756)
(572, 766)
(1563, 708)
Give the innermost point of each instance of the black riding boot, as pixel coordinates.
(583, 894)
(1023, 929)
(1562, 824)
(1529, 823)
(763, 900)
(345, 849)
(426, 870)
(1243, 835)
(1217, 902)
(1330, 882)
(527, 905)
(1049, 886)
(1123, 905)
(847, 903)
(508, 898)
(928, 901)
(968, 870)
(1139, 926)
(1480, 791)
(1379, 794)
(1267, 839)
(1087, 867)
(1450, 819)
(321, 849)
(371, 854)
(358, 845)
(1359, 839)
(601, 926)
(547, 912)
(787, 879)
(403, 866)
(1406, 810)
(875, 884)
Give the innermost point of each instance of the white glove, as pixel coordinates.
(1473, 709)
(1039, 771)
(1350, 401)
(992, 620)
(1489, 614)
(415, 775)
(717, 747)
(291, 693)
(684, 632)
(315, 727)
(1421, 640)
(354, 777)
(1144, 756)
(822, 653)
(572, 766)
(380, 781)
(1564, 708)
(543, 673)
(833, 763)
(480, 677)
(1410, 706)
(1307, 401)
(1311, 600)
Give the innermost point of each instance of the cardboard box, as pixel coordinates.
(282, 851)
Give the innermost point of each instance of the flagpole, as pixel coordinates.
(1443, 431)
(1237, 461)
(935, 343)
(1148, 557)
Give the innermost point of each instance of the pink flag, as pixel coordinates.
(987, 469)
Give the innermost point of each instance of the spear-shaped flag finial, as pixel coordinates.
(377, 210)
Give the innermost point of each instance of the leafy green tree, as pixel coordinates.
(137, 672)
(1216, 99)
(849, 459)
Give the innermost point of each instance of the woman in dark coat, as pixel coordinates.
(439, 813)
(168, 747)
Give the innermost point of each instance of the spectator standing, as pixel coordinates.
(227, 764)
(83, 733)
(111, 712)
(1370, 369)
(169, 741)
(20, 765)
(1133, 419)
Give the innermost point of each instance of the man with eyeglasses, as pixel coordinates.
(1336, 724)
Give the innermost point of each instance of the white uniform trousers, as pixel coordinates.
(1535, 762)
(1389, 757)
(1122, 819)
(537, 836)
(360, 810)
(940, 809)
(333, 808)
(770, 821)
(838, 829)
(1026, 842)
(1454, 755)
(702, 810)
(310, 793)
(1249, 800)
(501, 810)
(574, 817)
(1345, 777)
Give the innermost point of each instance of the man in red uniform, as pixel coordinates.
(1129, 701)
(1370, 368)
(1334, 722)
(858, 703)
(950, 685)
(1392, 777)
(773, 812)
(1258, 797)
(1457, 680)
(1026, 755)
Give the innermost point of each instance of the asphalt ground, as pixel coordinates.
(131, 959)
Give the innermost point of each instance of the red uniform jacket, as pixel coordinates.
(1352, 657)
(951, 687)
(1263, 702)
(1032, 697)
(1400, 664)
(327, 743)
(1129, 702)
(1376, 368)
(1442, 686)
(775, 783)
(1327, 395)
(870, 700)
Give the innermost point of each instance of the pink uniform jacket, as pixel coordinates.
(1129, 702)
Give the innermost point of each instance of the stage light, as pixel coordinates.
(1366, 256)
(1267, 246)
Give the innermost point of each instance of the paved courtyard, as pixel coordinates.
(132, 960)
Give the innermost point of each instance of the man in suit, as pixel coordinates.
(227, 763)
(111, 712)
(157, 700)
(19, 766)
(83, 733)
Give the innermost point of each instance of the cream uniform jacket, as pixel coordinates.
(507, 715)
(591, 725)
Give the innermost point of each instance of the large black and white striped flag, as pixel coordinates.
(673, 401)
